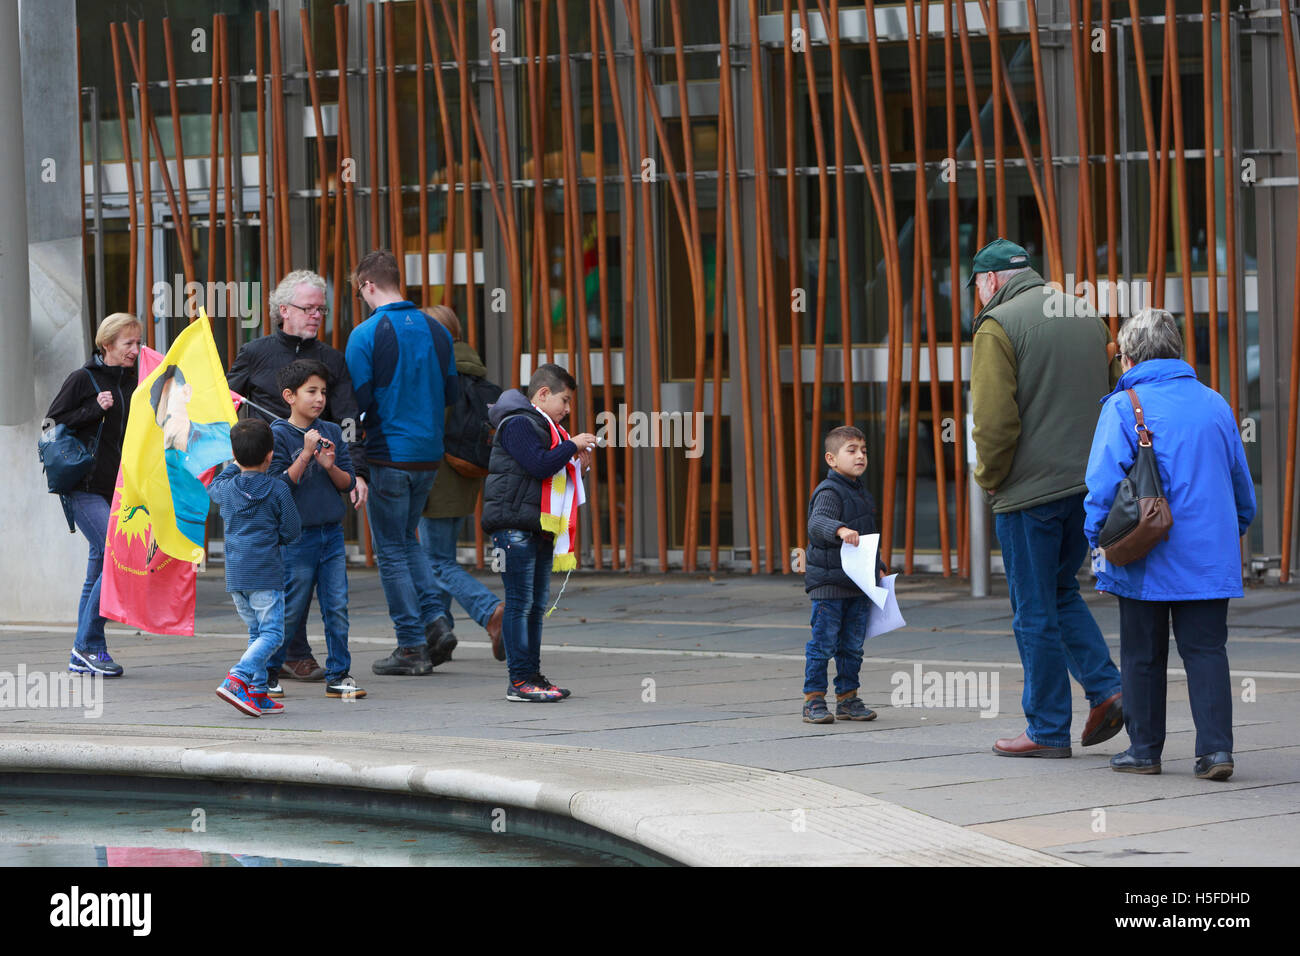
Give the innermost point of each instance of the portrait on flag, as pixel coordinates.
(160, 506)
(185, 432)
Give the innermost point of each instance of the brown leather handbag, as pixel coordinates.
(1139, 517)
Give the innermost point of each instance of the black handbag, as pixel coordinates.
(1139, 516)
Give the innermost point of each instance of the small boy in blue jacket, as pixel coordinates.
(312, 457)
(259, 516)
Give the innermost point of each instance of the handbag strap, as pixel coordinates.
(100, 430)
(1139, 426)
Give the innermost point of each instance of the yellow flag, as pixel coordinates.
(178, 430)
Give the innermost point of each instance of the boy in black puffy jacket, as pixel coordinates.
(840, 510)
(530, 502)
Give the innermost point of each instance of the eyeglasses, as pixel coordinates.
(322, 311)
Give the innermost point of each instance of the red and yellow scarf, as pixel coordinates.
(562, 494)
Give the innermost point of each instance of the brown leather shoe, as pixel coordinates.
(494, 631)
(306, 669)
(1022, 746)
(1104, 721)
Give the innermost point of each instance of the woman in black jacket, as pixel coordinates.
(94, 402)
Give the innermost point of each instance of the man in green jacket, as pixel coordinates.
(1040, 364)
(451, 499)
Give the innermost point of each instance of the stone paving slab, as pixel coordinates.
(725, 657)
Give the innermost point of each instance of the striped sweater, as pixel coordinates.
(259, 515)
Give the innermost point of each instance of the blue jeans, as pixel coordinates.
(839, 629)
(1042, 550)
(438, 539)
(317, 560)
(527, 579)
(263, 613)
(1201, 630)
(397, 497)
(90, 511)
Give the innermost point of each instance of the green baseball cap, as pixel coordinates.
(997, 255)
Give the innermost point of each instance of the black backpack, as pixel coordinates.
(467, 434)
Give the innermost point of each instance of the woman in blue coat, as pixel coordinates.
(1189, 576)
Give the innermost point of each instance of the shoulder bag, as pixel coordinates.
(1139, 517)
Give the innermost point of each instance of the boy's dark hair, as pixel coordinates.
(837, 437)
(552, 377)
(379, 267)
(294, 375)
(251, 441)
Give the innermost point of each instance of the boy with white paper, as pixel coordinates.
(840, 511)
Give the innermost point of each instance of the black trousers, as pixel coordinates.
(1201, 630)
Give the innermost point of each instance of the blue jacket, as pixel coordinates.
(318, 501)
(259, 515)
(1205, 476)
(404, 374)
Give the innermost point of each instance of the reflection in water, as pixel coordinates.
(128, 830)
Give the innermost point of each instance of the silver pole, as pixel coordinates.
(17, 379)
(97, 170)
(980, 559)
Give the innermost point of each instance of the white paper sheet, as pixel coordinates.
(888, 618)
(859, 563)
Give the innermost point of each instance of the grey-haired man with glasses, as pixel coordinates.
(299, 310)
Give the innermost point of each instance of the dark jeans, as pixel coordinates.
(1201, 630)
(90, 511)
(839, 629)
(1042, 550)
(317, 560)
(397, 496)
(295, 647)
(527, 580)
(438, 539)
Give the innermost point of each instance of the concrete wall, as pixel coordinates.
(41, 565)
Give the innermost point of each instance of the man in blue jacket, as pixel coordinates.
(404, 373)
(1191, 575)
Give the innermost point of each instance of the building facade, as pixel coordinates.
(740, 223)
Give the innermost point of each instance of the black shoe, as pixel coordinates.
(1215, 766)
(543, 682)
(1126, 763)
(404, 662)
(344, 688)
(87, 663)
(440, 640)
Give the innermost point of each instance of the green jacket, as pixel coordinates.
(1039, 366)
(453, 495)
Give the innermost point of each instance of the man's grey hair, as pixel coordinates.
(1150, 334)
(1004, 274)
(288, 288)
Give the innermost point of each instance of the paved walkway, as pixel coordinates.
(709, 668)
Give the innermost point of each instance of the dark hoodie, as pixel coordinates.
(255, 375)
(259, 515)
(77, 407)
(522, 458)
